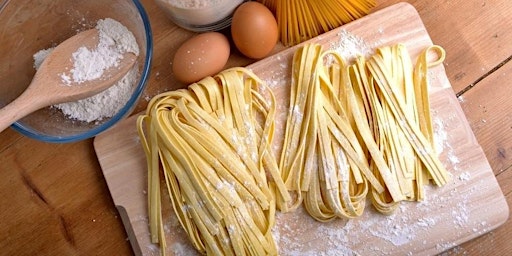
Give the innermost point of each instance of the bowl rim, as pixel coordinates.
(118, 116)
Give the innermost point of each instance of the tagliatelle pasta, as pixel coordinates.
(404, 95)
(322, 161)
(213, 142)
(352, 131)
(351, 126)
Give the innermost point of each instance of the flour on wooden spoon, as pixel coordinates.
(89, 64)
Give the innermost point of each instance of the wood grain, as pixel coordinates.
(475, 34)
(471, 31)
(453, 214)
(481, 105)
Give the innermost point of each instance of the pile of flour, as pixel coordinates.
(89, 64)
(192, 4)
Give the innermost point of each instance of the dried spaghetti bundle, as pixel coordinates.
(299, 20)
(213, 141)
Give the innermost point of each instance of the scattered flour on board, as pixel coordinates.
(399, 229)
(441, 143)
(299, 235)
(350, 46)
(465, 176)
(89, 64)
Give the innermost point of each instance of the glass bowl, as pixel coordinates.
(27, 26)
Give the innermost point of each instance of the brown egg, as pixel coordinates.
(203, 55)
(254, 30)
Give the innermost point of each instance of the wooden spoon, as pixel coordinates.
(48, 87)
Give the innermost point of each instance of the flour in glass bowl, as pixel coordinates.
(88, 64)
(194, 3)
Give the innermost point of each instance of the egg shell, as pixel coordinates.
(254, 30)
(202, 55)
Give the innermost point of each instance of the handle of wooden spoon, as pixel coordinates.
(25, 104)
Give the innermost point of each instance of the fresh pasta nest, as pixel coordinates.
(348, 129)
(359, 129)
(213, 142)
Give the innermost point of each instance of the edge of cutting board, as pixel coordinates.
(123, 162)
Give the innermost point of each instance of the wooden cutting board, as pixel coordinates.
(470, 205)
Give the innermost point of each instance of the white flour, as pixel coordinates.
(193, 3)
(89, 64)
(350, 46)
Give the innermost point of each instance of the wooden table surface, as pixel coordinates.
(54, 199)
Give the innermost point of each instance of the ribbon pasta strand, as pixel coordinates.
(328, 159)
(397, 96)
(361, 126)
(217, 162)
(352, 131)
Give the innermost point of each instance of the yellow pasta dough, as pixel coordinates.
(353, 131)
(322, 162)
(367, 123)
(213, 142)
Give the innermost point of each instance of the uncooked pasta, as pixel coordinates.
(384, 100)
(299, 20)
(358, 128)
(322, 162)
(353, 131)
(213, 141)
